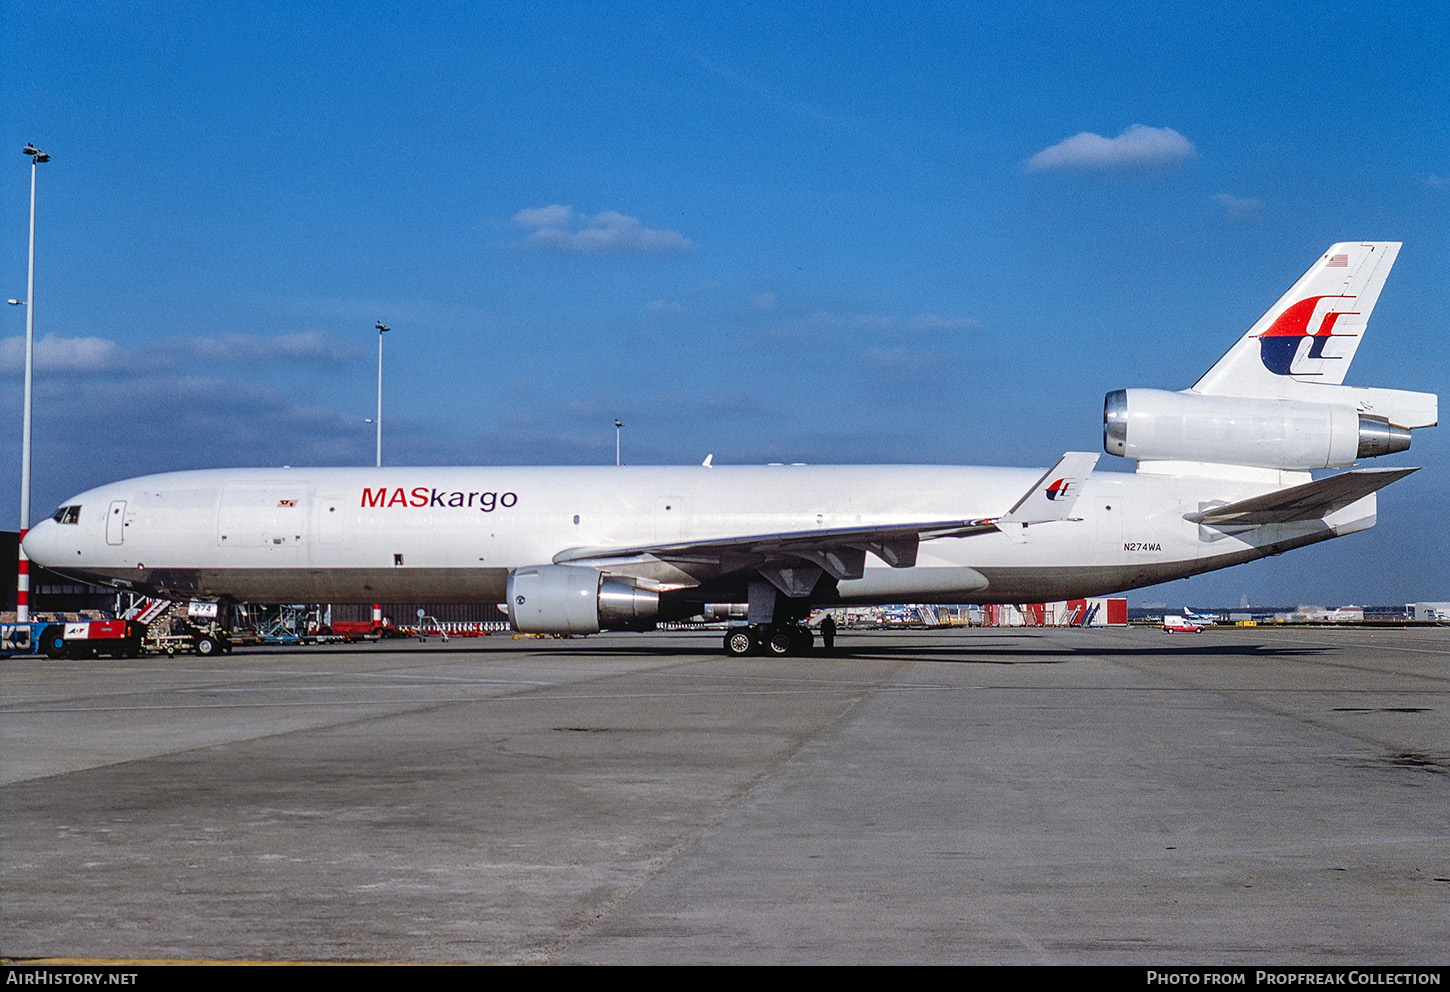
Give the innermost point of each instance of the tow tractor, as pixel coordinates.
(73, 638)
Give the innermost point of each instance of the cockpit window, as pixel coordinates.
(68, 515)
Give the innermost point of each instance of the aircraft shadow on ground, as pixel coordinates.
(981, 651)
(981, 654)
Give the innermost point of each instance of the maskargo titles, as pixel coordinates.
(424, 496)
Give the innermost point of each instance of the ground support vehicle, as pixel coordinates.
(73, 638)
(1181, 625)
(204, 638)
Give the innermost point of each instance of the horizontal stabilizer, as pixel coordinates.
(1307, 502)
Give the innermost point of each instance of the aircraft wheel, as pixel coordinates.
(738, 642)
(779, 643)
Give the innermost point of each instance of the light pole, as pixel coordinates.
(381, 331)
(617, 425)
(22, 582)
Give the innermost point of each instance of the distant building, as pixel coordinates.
(1320, 614)
(1064, 613)
(1428, 611)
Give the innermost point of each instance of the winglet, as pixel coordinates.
(1051, 497)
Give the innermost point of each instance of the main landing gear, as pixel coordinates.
(771, 639)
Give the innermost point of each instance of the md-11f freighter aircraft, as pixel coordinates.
(1223, 477)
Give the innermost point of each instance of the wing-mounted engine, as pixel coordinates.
(1156, 425)
(569, 599)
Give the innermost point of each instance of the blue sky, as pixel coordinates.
(826, 233)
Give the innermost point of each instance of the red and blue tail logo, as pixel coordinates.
(1061, 488)
(1282, 348)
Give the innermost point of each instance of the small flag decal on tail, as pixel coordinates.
(1338, 262)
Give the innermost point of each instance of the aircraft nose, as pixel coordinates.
(43, 543)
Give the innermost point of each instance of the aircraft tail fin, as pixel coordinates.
(1310, 336)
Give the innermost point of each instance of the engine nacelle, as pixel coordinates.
(568, 599)
(1156, 425)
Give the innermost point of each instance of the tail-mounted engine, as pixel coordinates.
(1156, 425)
(568, 599)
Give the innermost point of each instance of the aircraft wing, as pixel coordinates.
(841, 552)
(1307, 502)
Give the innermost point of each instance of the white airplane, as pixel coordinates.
(1223, 477)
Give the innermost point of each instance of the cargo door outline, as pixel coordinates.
(116, 522)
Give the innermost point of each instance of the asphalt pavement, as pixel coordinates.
(1259, 796)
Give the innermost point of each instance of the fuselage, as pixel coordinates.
(368, 535)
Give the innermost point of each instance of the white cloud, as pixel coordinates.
(1239, 206)
(103, 356)
(764, 301)
(308, 344)
(190, 421)
(563, 229)
(1138, 147)
(554, 215)
(62, 354)
(252, 348)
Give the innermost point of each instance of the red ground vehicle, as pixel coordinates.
(1181, 625)
(88, 638)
